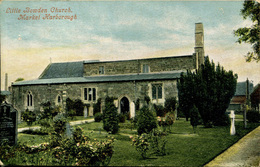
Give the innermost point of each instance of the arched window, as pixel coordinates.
(29, 99)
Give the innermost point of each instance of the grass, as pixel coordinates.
(184, 148)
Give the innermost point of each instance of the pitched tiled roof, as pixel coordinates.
(241, 88)
(238, 100)
(63, 70)
(108, 78)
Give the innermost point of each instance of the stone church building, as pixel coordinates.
(126, 80)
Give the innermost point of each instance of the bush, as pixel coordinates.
(170, 104)
(122, 117)
(155, 143)
(159, 110)
(253, 116)
(146, 120)
(59, 124)
(98, 117)
(97, 107)
(110, 116)
(29, 117)
(78, 107)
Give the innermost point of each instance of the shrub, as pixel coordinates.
(141, 144)
(194, 117)
(159, 110)
(59, 124)
(170, 104)
(253, 116)
(97, 107)
(78, 106)
(122, 117)
(110, 116)
(152, 142)
(98, 117)
(29, 117)
(146, 120)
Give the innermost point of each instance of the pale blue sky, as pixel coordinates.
(113, 30)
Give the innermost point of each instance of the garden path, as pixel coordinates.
(72, 123)
(246, 152)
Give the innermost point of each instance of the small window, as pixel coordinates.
(59, 99)
(29, 99)
(145, 68)
(101, 70)
(157, 91)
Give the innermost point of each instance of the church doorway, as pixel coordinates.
(124, 105)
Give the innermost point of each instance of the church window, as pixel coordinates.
(146, 68)
(101, 70)
(156, 91)
(85, 93)
(59, 99)
(29, 99)
(90, 94)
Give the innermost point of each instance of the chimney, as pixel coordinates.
(199, 43)
(6, 82)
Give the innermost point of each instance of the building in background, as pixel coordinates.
(128, 81)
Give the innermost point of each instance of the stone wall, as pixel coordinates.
(131, 90)
(136, 66)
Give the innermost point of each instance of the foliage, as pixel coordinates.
(141, 144)
(170, 104)
(146, 120)
(251, 34)
(49, 111)
(74, 107)
(110, 116)
(210, 89)
(159, 110)
(147, 99)
(59, 124)
(97, 106)
(194, 117)
(122, 117)
(98, 117)
(2, 97)
(154, 142)
(137, 104)
(167, 122)
(28, 116)
(253, 116)
(78, 107)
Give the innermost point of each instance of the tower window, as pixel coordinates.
(146, 68)
(101, 70)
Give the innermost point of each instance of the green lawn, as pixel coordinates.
(183, 147)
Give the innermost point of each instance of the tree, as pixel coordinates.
(194, 118)
(110, 116)
(210, 89)
(146, 120)
(251, 35)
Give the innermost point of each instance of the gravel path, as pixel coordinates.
(246, 152)
(72, 123)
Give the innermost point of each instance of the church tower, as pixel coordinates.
(199, 44)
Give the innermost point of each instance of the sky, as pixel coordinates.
(118, 30)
